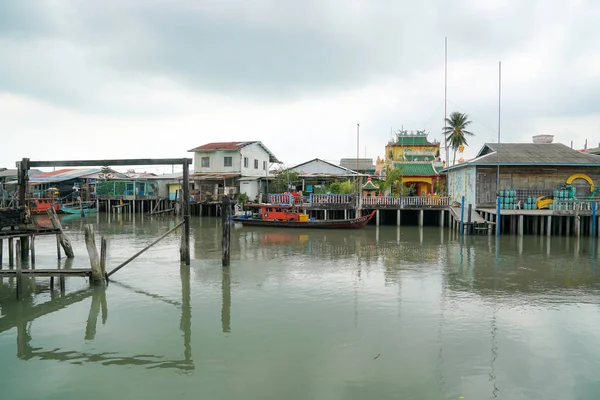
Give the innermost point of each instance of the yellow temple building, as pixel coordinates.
(416, 157)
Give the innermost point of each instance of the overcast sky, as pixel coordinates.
(138, 78)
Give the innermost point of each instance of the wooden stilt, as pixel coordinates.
(226, 238)
(58, 246)
(32, 250)
(90, 243)
(11, 252)
(63, 239)
(19, 273)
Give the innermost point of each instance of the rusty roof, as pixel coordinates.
(232, 146)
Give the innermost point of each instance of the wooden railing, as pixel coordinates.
(331, 199)
(573, 205)
(407, 202)
(349, 199)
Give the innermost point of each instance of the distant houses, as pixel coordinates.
(230, 168)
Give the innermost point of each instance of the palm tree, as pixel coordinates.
(456, 131)
(393, 179)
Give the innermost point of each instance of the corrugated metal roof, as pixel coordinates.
(223, 146)
(66, 174)
(318, 160)
(549, 154)
(363, 163)
(12, 173)
(209, 177)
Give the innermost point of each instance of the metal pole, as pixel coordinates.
(445, 99)
(498, 216)
(462, 216)
(594, 219)
(498, 149)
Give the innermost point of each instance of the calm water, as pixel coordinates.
(374, 314)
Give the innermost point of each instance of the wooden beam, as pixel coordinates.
(117, 162)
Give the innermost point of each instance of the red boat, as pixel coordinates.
(41, 205)
(286, 216)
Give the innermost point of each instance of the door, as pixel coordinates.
(486, 189)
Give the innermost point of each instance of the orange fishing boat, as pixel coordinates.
(290, 216)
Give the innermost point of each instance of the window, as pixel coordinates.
(245, 162)
(264, 165)
(227, 161)
(255, 164)
(205, 162)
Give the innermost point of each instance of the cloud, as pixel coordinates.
(268, 70)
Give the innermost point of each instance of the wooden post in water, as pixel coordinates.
(32, 249)
(24, 248)
(90, 243)
(19, 273)
(80, 206)
(11, 254)
(226, 238)
(58, 246)
(469, 220)
(103, 257)
(185, 237)
(63, 239)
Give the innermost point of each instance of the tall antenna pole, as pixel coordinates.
(357, 145)
(499, 102)
(357, 181)
(445, 99)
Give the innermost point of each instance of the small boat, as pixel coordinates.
(287, 216)
(41, 205)
(74, 208)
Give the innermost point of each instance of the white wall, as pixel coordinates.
(319, 167)
(217, 162)
(250, 188)
(254, 152)
(462, 182)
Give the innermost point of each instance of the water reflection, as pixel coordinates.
(226, 303)
(446, 313)
(20, 314)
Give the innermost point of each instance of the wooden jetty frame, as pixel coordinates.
(25, 238)
(25, 164)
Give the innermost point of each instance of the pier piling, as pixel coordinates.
(62, 238)
(226, 238)
(90, 243)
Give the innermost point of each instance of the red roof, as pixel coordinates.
(223, 146)
(54, 173)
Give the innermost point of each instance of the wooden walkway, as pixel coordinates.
(47, 272)
(478, 223)
(4, 234)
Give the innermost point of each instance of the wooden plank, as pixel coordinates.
(48, 272)
(64, 240)
(117, 162)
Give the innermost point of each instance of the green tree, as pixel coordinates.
(393, 180)
(347, 187)
(456, 131)
(283, 180)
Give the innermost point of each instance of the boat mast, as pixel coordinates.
(357, 179)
